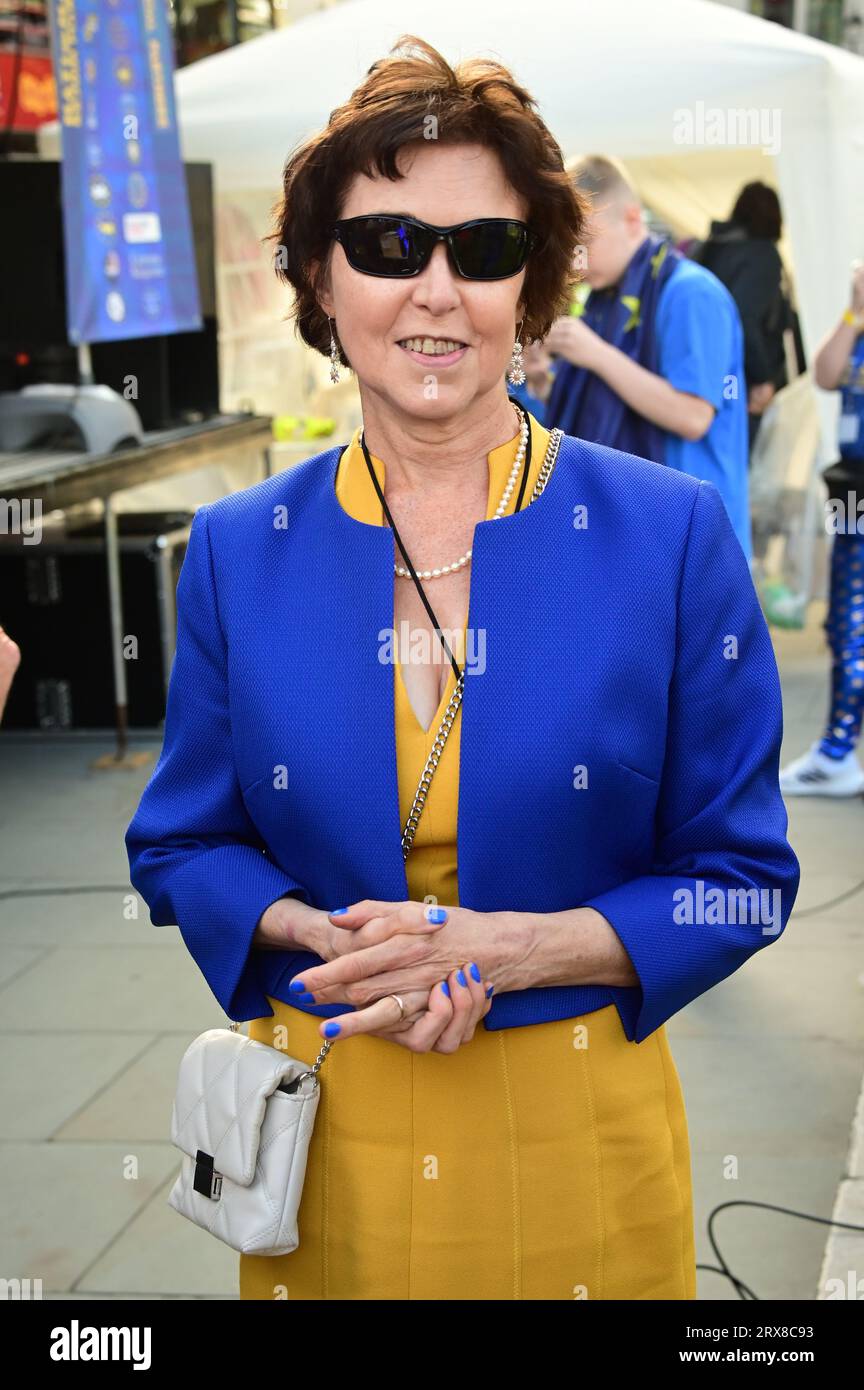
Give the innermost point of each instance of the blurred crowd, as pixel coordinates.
(674, 354)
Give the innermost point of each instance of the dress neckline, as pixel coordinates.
(352, 452)
(357, 500)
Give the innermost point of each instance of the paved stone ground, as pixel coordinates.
(771, 1061)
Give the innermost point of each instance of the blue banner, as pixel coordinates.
(130, 264)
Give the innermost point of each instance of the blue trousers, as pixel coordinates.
(844, 630)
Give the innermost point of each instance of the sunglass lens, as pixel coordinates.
(383, 246)
(492, 250)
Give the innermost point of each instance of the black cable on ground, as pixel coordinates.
(724, 1269)
(832, 902)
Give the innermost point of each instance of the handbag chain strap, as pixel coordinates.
(447, 722)
(456, 698)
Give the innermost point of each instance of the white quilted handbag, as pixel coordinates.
(243, 1117)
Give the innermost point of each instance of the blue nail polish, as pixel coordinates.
(475, 973)
(489, 991)
(436, 914)
(331, 1029)
(306, 998)
(296, 987)
(335, 911)
(460, 976)
(446, 988)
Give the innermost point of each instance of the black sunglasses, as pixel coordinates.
(487, 248)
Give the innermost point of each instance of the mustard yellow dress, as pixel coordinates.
(543, 1162)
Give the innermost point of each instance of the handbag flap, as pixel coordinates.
(223, 1086)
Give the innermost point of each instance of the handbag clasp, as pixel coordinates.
(207, 1181)
(292, 1086)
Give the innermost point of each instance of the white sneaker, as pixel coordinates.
(815, 774)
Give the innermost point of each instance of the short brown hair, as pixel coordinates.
(479, 102)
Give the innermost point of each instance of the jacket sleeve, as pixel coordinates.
(195, 855)
(724, 877)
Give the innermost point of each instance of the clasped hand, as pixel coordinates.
(375, 949)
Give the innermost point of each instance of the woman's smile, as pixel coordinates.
(442, 351)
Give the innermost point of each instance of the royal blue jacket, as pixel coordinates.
(619, 750)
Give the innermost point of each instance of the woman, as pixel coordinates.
(830, 766)
(604, 772)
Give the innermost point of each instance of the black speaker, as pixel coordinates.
(177, 373)
(54, 603)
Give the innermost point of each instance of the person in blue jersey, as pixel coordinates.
(830, 766)
(654, 364)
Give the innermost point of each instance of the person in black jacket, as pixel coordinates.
(742, 252)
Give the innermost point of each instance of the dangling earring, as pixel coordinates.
(516, 372)
(334, 354)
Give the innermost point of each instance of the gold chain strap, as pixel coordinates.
(455, 700)
(444, 728)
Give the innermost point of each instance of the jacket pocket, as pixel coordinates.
(250, 786)
(638, 772)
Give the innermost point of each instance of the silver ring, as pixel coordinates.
(399, 1002)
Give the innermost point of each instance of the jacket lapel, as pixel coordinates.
(349, 813)
(523, 717)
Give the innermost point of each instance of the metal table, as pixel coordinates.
(61, 480)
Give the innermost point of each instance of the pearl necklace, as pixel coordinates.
(499, 510)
